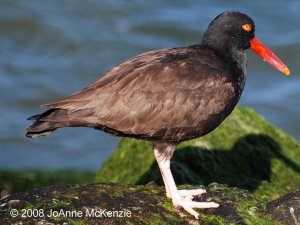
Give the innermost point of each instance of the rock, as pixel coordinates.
(286, 209)
(245, 152)
(108, 203)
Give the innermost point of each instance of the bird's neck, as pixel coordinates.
(239, 69)
(238, 59)
(233, 57)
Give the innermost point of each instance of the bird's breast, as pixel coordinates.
(202, 110)
(217, 105)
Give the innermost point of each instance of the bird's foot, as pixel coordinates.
(188, 205)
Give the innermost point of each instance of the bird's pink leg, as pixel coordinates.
(168, 194)
(182, 198)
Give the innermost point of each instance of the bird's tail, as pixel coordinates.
(43, 124)
(52, 119)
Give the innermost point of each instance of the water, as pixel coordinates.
(50, 49)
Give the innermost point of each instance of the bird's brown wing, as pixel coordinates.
(159, 94)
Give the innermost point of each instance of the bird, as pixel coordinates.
(167, 96)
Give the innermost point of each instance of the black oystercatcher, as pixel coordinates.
(166, 96)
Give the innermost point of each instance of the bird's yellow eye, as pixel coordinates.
(247, 27)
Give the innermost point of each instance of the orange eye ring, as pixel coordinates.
(247, 27)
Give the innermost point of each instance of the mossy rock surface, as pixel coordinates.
(147, 204)
(245, 152)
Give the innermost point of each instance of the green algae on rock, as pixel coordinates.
(140, 205)
(245, 151)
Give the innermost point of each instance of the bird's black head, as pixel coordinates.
(229, 30)
(230, 33)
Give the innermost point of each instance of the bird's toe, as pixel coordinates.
(188, 206)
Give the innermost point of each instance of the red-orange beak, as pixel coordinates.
(268, 56)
